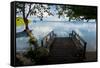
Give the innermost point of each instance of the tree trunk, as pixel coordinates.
(26, 24)
(29, 33)
(25, 19)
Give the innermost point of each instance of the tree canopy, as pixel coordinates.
(68, 11)
(86, 11)
(29, 9)
(77, 12)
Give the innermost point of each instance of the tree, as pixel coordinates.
(84, 12)
(63, 10)
(77, 12)
(29, 9)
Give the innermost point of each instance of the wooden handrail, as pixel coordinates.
(73, 32)
(77, 39)
(48, 39)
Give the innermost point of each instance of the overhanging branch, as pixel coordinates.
(23, 10)
(29, 11)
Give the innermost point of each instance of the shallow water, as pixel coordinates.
(40, 29)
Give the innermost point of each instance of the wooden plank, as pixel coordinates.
(63, 50)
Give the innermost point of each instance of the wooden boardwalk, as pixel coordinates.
(64, 49)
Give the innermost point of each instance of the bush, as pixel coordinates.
(41, 55)
(38, 54)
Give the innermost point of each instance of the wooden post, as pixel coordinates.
(76, 36)
(84, 50)
(46, 42)
(42, 42)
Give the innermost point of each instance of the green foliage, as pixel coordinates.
(87, 12)
(71, 11)
(62, 10)
(30, 53)
(40, 53)
(37, 10)
(32, 40)
(37, 54)
(77, 12)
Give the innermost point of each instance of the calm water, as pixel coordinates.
(39, 29)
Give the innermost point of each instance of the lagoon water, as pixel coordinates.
(87, 30)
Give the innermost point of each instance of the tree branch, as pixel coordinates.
(29, 11)
(23, 10)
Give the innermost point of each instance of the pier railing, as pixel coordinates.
(79, 42)
(48, 40)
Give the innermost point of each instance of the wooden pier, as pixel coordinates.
(64, 49)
